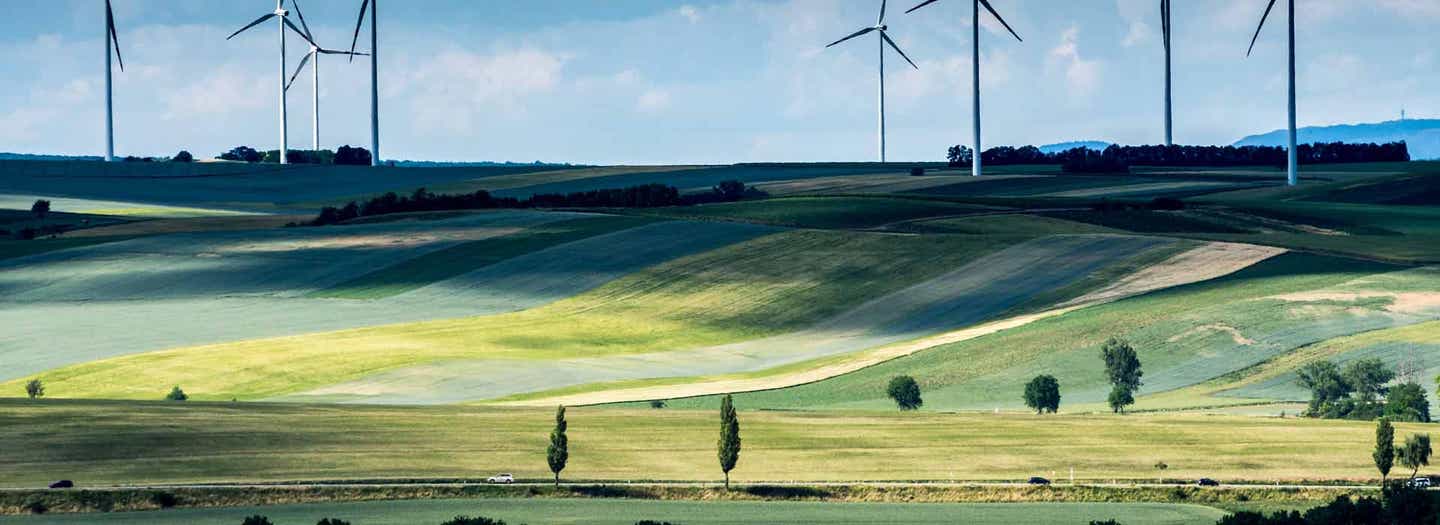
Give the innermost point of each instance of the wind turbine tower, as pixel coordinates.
(374, 74)
(1165, 29)
(111, 37)
(280, 13)
(1292, 176)
(880, 29)
(975, 63)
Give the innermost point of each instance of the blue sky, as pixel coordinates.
(700, 81)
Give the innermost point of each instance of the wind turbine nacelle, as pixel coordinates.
(281, 12)
(882, 28)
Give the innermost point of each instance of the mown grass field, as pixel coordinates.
(623, 512)
(113, 442)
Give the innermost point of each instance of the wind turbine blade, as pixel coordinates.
(852, 35)
(358, 23)
(1165, 23)
(922, 4)
(252, 24)
(986, 3)
(298, 69)
(114, 35)
(881, 20)
(1261, 26)
(297, 31)
(301, 14)
(897, 49)
(334, 52)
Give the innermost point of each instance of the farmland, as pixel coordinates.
(434, 344)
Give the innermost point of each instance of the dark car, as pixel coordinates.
(1207, 482)
(63, 484)
(1037, 480)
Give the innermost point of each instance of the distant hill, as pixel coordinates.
(29, 156)
(1067, 146)
(1421, 135)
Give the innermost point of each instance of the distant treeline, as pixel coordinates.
(642, 196)
(346, 155)
(1117, 158)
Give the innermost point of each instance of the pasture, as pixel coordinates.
(101, 443)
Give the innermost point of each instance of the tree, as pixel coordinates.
(1122, 367)
(35, 389)
(243, 154)
(1043, 394)
(1407, 402)
(729, 445)
(349, 156)
(1325, 383)
(183, 156)
(176, 394)
(1120, 397)
(1384, 454)
(558, 453)
(1367, 377)
(1415, 453)
(1161, 467)
(256, 520)
(477, 520)
(40, 209)
(657, 403)
(905, 391)
(332, 521)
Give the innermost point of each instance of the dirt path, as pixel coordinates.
(1205, 262)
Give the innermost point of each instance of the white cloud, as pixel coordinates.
(1137, 14)
(219, 92)
(1413, 8)
(1082, 76)
(454, 89)
(690, 13)
(653, 101)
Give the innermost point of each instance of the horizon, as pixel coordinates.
(706, 82)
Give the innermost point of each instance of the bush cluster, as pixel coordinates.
(1117, 158)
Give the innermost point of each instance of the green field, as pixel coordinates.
(623, 512)
(1185, 336)
(100, 443)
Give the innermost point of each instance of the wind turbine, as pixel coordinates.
(975, 59)
(111, 36)
(374, 76)
(1165, 31)
(880, 28)
(281, 14)
(314, 54)
(1292, 176)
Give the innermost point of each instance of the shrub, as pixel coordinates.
(466, 520)
(657, 403)
(35, 389)
(256, 520)
(176, 394)
(164, 500)
(36, 507)
(905, 391)
(1106, 522)
(653, 522)
(332, 521)
(183, 156)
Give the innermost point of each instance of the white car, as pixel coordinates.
(1420, 483)
(500, 478)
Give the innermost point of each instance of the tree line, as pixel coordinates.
(641, 196)
(344, 156)
(1117, 158)
(1361, 390)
